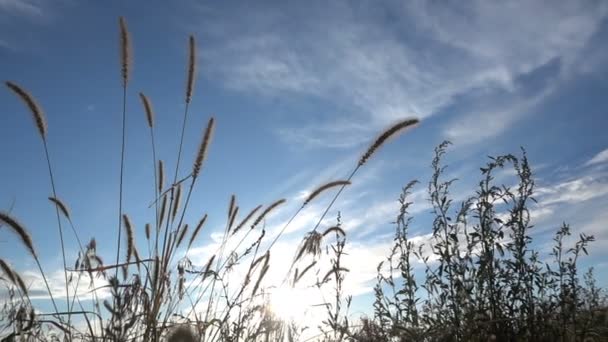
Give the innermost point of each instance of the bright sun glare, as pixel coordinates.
(293, 304)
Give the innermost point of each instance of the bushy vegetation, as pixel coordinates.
(483, 280)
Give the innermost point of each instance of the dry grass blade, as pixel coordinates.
(324, 187)
(61, 206)
(32, 105)
(125, 51)
(202, 150)
(266, 211)
(399, 126)
(18, 229)
(148, 109)
(197, 230)
(246, 219)
(191, 69)
(130, 237)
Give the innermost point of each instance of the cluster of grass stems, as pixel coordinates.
(483, 281)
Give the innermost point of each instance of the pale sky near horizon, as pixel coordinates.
(298, 90)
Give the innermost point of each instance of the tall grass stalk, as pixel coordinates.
(42, 128)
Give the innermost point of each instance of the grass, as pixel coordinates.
(483, 279)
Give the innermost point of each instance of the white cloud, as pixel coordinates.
(600, 158)
(81, 284)
(21, 7)
(573, 191)
(490, 120)
(381, 62)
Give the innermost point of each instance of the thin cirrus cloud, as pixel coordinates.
(376, 63)
(600, 158)
(21, 8)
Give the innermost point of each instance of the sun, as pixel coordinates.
(293, 303)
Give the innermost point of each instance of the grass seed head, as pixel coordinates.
(31, 103)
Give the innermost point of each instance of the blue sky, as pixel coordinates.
(299, 89)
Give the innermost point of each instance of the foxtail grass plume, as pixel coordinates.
(335, 271)
(163, 210)
(335, 229)
(130, 236)
(299, 275)
(208, 267)
(31, 103)
(233, 217)
(156, 270)
(61, 206)
(20, 283)
(178, 196)
(324, 187)
(231, 205)
(265, 258)
(197, 230)
(266, 211)
(311, 245)
(13, 276)
(148, 109)
(147, 229)
(259, 281)
(202, 150)
(396, 128)
(8, 271)
(182, 234)
(246, 219)
(191, 69)
(161, 176)
(20, 230)
(125, 51)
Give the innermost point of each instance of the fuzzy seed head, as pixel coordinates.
(191, 69)
(266, 211)
(31, 103)
(324, 187)
(61, 206)
(202, 150)
(125, 51)
(161, 176)
(130, 236)
(20, 231)
(148, 109)
(396, 128)
(197, 230)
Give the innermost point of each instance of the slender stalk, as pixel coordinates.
(60, 228)
(122, 167)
